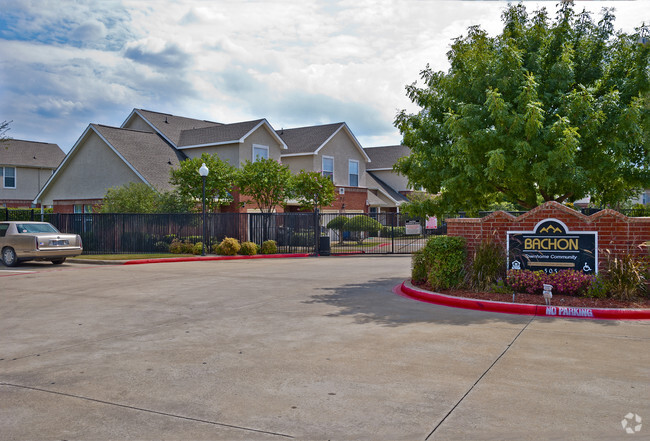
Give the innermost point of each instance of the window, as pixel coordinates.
(3, 229)
(328, 167)
(260, 152)
(8, 176)
(353, 171)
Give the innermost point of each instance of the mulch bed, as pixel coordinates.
(537, 299)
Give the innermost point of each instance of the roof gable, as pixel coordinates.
(169, 126)
(21, 153)
(225, 134)
(384, 158)
(310, 140)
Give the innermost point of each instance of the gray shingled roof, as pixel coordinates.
(172, 126)
(307, 139)
(399, 197)
(20, 153)
(216, 134)
(385, 157)
(147, 152)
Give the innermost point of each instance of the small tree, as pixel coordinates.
(313, 190)
(362, 224)
(266, 181)
(134, 197)
(4, 128)
(218, 183)
(338, 223)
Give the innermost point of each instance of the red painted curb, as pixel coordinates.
(204, 258)
(409, 291)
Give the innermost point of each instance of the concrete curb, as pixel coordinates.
(406, 289)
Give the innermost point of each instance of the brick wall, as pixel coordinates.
(616, 232)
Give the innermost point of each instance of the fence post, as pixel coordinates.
(392, 232)
(317, 230)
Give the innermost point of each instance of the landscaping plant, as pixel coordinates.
(269, 247)
(442, 260)
(488, 265)
(248, 249)
(228, 247)
(626, 276)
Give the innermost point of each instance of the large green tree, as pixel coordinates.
(313, 190)
(266, 181)
(547, 110)
(218, 183)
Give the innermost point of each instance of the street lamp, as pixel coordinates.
(203, 171)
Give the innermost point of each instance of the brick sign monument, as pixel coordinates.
(553, 237)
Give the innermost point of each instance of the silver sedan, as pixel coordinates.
(22, 241)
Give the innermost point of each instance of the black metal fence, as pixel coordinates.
(385, 233)
(335, 233)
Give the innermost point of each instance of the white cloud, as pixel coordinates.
(64, 64)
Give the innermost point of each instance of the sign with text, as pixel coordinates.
(413, 227)
(551, 247)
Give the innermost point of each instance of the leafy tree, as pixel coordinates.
(134, 197)
(338, 223)
(547, 110)
(362, 224)
(266, 181)
(218, 183)
(313, 190)
(140, 198)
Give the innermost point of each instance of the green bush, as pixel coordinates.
(197, 248)
(269, 247)
(187, 247)
(393, 231)
(363, 226)
(488, 265)
(228, 247)
(248, 249)
(338, 223)
(161, 246)
(301, 239)
(442, 260)
(419, 268)
(176, 247)
(598, 288)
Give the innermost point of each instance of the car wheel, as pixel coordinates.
(58, 261)
(9, 257)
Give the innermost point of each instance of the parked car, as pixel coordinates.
(22, 241)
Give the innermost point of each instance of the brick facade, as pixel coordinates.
(616, 232)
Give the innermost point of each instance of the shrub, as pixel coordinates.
(197, 248)
(418, 267)
(176, 247)
(598, 288)
(187, 247)
(625, 276)
(269, 247)
(393, 231)
(565, 282)
(362, 224)
(526, 281)
(444, 261)
(161, 246)
(488, 265)
(301, 239)
(229, 247)
(248, 249)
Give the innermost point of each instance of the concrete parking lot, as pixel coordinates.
(311, 348)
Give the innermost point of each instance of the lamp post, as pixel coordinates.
(203, 171)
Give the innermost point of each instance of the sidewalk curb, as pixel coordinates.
(406, 289)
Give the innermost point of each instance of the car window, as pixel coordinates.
(3, 229)
(36, 228)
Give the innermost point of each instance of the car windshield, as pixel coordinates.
(36, 228)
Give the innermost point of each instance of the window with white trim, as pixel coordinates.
(8, 177)
(353, 173)
(260, 152)
(328, 167)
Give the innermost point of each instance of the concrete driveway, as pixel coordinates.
(312, 348)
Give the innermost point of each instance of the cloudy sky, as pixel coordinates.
(65, 64)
